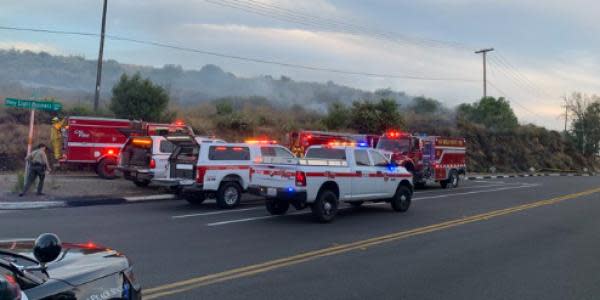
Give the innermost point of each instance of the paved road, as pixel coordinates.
(519, 238)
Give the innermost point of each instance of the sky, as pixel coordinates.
(544, 50)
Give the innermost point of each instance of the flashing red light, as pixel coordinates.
(221, 148)
(300, 178)
(393, 134)
(90, 245)
(238, 148)
(152, 163)
(308, 137)
(10, 279)
(110, 152)
(179, 123)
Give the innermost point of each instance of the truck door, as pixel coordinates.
(386, 184)
(363, 184)
(162, 152)
(183, 160)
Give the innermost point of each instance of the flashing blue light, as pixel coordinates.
(392, 167)
(363, 144)
(290, 189)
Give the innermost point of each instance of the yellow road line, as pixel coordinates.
(189, 284)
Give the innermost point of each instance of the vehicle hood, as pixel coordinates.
(78, 263)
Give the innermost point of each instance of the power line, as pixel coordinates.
(243, 58)
(503, 59)
(291, 16)
(524, 83)
(514, 101)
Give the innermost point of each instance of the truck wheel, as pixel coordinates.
(141, 183)
(444, 183)
(229, 195)
(454, 179)
(277, 206)
(106, 168)
(325, 207)
(194, 198)
(402, 199)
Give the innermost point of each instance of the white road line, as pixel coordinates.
(220, 223)
(215, 213)
(148, 198)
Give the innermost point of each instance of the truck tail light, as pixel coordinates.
(300, 178)
(200, 173)
(251, 173)
(152, 164)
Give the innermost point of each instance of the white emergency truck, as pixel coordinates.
(328, 175)
(144, 158)
(200, 170)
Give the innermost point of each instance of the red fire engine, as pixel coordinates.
(97, 141)
(299, 141)
(429, 158)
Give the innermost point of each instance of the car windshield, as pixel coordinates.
(394, 145)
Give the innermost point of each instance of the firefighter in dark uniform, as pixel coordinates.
(38, 166)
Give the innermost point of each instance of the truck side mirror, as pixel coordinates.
(47, 248)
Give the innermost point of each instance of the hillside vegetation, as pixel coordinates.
(218, 103)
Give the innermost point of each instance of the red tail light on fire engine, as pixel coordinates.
(200, 173)
(152, 163)
(300, 178)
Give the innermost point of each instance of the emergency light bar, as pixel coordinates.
(266, 142)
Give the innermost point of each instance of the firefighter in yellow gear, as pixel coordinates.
(56, 137)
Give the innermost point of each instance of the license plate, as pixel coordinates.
(184, 167)
(272, 192)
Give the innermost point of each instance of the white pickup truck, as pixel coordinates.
(328, 175)
(220, 170)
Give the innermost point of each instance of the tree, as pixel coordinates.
(338, 116)
(585, 124)
(495, 114)
(375, 117)
(423, 105)
(140, 99)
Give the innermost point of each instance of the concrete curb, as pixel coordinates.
(525, 175)
(81, 201)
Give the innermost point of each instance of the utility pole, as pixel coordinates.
(484, 53)
(566, 112)
(99, 68)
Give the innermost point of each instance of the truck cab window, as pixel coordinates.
(228, 153)
(378, 159)
(362, 158)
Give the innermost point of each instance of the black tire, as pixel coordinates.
(194, 198)
(141, 183)
(356, 203)
(420, 185)
(229, 195)
(325, 207)
(454, 179)
(444, 183)
(402, 199)
(106, 168)
(277, 206)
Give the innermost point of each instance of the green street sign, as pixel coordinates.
(29, 104)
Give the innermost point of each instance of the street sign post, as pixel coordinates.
(33, 105)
